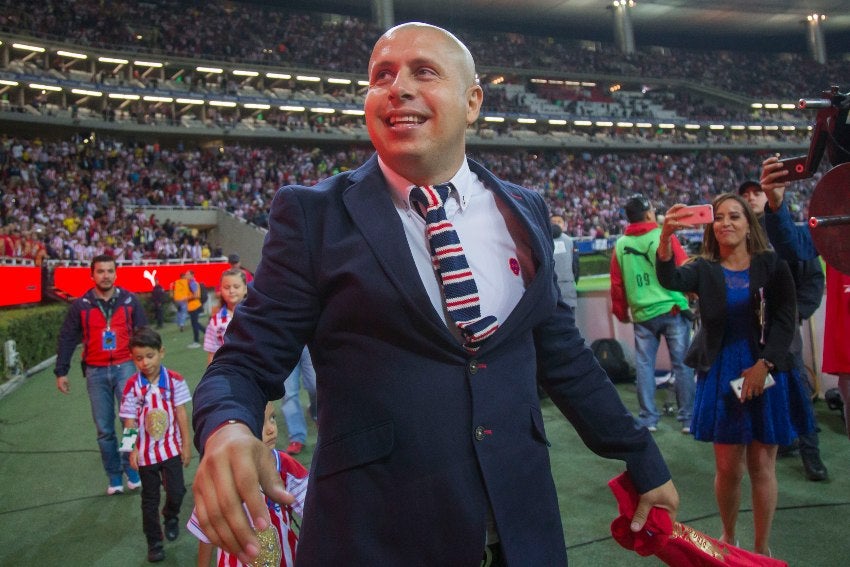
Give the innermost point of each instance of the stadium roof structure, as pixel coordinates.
(701, 23)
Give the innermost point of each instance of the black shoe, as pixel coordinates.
(788, 450)
(814, 467)
(171, 529)
(155, 552)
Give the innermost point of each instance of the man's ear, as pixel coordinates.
(474, 98)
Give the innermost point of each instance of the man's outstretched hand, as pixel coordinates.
(234, 469)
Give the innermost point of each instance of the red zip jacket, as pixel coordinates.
(85, 322)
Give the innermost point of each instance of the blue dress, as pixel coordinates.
(774, 418)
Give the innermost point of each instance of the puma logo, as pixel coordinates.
(150, 276)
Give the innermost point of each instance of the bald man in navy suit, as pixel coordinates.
(429, 453)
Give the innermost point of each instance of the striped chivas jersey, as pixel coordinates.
(152, 406)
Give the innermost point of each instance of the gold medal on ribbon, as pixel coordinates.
(270, 552)
(156, 422)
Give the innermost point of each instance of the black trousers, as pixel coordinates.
(197, 329)
(169, 474)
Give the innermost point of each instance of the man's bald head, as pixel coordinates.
(450, 39)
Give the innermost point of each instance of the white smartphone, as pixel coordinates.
(696, 214)
(738, 384)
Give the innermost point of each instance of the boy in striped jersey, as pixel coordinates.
(154, 403)
(279, 541)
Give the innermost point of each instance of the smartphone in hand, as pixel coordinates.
(696, 214)
(738, 384)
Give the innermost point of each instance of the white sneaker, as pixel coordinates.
(118, 489)
(194, 345)
(134, 485)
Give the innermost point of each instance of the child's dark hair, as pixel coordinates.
(146, 337)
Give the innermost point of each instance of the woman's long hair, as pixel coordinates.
(756, 238)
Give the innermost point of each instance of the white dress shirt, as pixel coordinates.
(483, 232)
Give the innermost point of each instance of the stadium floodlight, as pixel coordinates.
(667, 126)
(287, 108)
(771, 105)
(28, 47)
(586, 84)
(494, 119)
(190, 101)
(757, 105)
(557, 122)
(716, 127)
(71, 54)
(322, 110)
(8, 83)
(45, 87)
(788, 106)
(123, 96)
(115, 60)
(284, 76)
(153, 64)
(362, 83)
(604, 123)
(771, 127)
(582, 123)
(209, 70)
(308, 78)
(644, 124)
(150, 98)
(85, 92)
(336, 81)
(789, 128)
(225, 103)
(738, 127)
(526, 120)
(692, 126)
(244, 73)
(257, 106)
(754, 127)
(625, 124)
(351, 112)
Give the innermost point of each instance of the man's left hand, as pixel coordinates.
(664, 496)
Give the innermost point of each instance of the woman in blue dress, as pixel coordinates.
(748, 314)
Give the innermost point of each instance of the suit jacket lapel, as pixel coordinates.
(372, 210)
(537, 242)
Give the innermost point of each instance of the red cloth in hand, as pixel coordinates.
(655, 533)
(674, 544)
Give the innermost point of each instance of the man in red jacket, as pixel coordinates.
(103, 319)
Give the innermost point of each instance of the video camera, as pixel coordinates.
(830, 204)
(831, 133)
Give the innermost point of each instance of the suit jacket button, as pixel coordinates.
(473, 366)
(479, 433)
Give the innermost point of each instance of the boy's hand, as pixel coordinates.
(134, 459)
(186, 453)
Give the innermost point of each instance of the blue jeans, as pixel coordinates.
(182, 312)
(291, 405)
(105, 385)
(677, 331)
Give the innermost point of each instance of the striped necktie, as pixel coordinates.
(462, 301)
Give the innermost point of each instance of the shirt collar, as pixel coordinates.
(462, 180)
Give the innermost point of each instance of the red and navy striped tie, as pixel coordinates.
(459, 289)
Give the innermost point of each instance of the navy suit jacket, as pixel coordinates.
(417, 438)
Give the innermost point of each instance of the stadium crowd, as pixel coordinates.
(78, 197)
(74, 198)
(248, 33)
